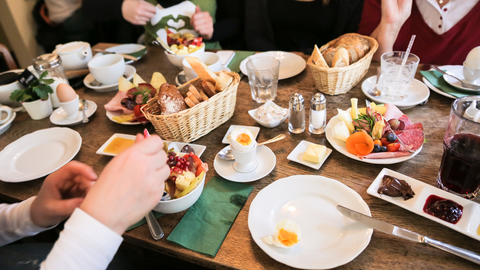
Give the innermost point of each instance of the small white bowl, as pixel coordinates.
(176, 60)
(266, 124)
(183, 203)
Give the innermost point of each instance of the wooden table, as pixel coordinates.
(239, 251)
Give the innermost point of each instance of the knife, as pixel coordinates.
(406, 234)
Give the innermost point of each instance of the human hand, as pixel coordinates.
(202, 22)
(396, 12)
(138, 12)
(130, 185)
(62, 192)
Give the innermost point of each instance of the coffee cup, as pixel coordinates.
(245, 160)
(71, 108)
(5, 114)
(472, 75)
(212, 60)
(106, 69)
(75, 55)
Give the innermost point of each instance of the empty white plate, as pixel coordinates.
(290, 64)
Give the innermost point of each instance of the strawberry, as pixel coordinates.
(202, 168)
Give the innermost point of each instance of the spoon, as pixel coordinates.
(464, 84)
(155, 229)
(227, 155)
(374, 91)
(160, 42)
(472, 110)
(83, 107)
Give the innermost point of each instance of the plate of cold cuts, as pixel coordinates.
(411, 135)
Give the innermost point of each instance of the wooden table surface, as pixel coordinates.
(239, 251)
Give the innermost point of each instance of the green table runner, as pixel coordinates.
(436, 79)
(237, 59)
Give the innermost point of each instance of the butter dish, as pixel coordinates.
(297, 154)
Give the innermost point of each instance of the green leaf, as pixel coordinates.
(47, 81)
(17, 95)
(43, 75)
(43, 90)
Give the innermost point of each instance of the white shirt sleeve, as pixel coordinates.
(16, 223)
(85, 243)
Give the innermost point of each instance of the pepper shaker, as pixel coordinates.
(296, 120)
(51, 63)
(318, 114)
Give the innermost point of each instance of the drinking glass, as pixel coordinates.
(459, 171)
(263, 77)
(396, 78)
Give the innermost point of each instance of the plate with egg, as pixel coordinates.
(304, 229)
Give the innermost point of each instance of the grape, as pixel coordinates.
(391, 137)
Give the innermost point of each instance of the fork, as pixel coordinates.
(464, 84)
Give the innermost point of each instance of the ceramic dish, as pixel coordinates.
(253, 130)
(129, 71)
(135, 50)
(417, 94)
(297, 153)
(181, 79)
(265, 159)
(290, 64)
(457, 71)
(468, 223)
(271, 124)
(434, 89)
(177, 146)
(5, 126)
(340, 147)
(38, 154)
(328, 238)
(58, 117)
(110, 116)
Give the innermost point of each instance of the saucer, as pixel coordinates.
(457, 71)
(135, 50)
(417, 94)
(181, 78)
(265, 159)
(58, 117)
(129, 71)
(253, 130)
(6, 125)
(297, 153)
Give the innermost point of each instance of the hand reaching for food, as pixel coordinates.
(202, 22)
(138, 12)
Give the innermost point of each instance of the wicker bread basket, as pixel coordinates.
(339, 80)
(193, 123)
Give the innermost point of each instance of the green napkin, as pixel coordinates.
(436, 79)
(207, 222)
(143, 221)
(237, 59)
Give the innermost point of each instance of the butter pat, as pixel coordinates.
(315, 153)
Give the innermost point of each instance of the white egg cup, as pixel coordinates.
(245, 160)
(472, 75)
(71, 108)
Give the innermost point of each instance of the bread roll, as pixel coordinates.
(223, 81)
(341, 58)
(170, 99)
(355, 40)
(209, 88)
(317, 58)
(328, 55)
(202, 70)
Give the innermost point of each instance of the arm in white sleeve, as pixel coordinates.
(16, 223)
(85, 243)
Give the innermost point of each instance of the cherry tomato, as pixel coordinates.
(385, 142)
(378, 142)
(393, 147)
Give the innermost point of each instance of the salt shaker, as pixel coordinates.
(51, 63)
(318, 114)
(296, 120)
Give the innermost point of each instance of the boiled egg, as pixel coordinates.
(242, 139)
(473, 58)
(286, 234)
(65, 93)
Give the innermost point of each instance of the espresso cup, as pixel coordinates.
(75, 55)
(472, 75)
(212, 60)
(245, 160)
(5, 114)
(71, 108)
(106, 69)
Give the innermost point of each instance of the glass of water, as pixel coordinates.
(396, 78)
(263, 77)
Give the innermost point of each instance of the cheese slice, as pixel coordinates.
(315, 153)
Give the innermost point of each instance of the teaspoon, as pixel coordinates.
(374, 91)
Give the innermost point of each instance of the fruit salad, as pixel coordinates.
(182, 44)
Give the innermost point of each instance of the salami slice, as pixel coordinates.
(415, 126)
(406, 120)
(392, 112)
(386, 155)
(413, 138)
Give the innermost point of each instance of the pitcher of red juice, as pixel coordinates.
(460, 168)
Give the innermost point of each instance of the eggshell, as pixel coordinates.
(473, 58)
(238, 146)
(65, 93)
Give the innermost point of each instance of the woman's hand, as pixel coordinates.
(138, 12)
(202, 22)
(396, 12)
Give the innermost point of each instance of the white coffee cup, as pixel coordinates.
(107, 68)
(245, 160)
(472, 75)
(71, 108)
(212, 60)
(75, 55)
(5, 114)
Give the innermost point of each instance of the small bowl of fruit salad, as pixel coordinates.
(182, 45)
(185, 182)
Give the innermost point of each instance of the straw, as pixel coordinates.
(408, 50)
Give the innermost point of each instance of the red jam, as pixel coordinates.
(444, 209)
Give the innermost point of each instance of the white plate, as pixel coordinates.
(417, 94)
(265, 159)
(6, 125)
(177, 146)
(127, 49)
(328, 238)
(179, 81)
(129, 71)
(253, 130)
(340, 147)
(457, 71)
(429, 85)
(290, 63)
(297, 153)
(38, 154)
(110, 116)
(467, 224)
(58, 117)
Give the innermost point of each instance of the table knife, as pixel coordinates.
(406, 234)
